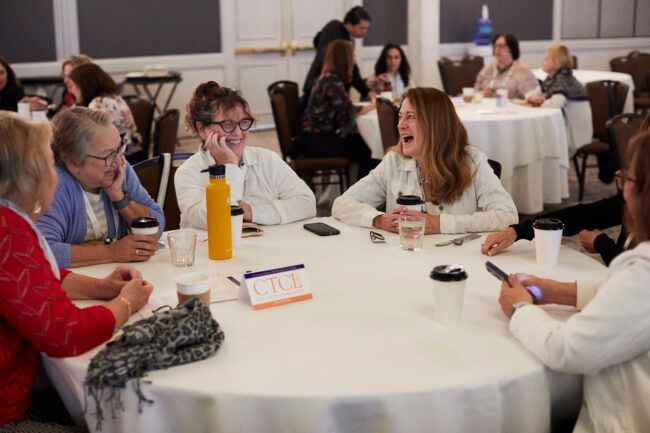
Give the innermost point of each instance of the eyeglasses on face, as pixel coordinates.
(376, 238)
(111, 157)
(621, 176)
(500, 45)
(229, 126)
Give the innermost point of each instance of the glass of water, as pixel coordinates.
(411, 232)
(182, 244)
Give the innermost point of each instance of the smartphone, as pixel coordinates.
(321, 229)
(534, 291)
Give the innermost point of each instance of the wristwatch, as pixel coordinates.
(122, 203)
(517, 306)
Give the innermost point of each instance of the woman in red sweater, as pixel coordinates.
(36, 314)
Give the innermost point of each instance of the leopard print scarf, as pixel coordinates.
(177, 336)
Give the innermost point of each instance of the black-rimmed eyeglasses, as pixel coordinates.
(111, 157)
(376, 238)
(229, 126)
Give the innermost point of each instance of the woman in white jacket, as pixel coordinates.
(609, 339)
(268, 190)
(434, 161)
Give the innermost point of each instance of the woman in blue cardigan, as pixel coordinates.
(97, 196)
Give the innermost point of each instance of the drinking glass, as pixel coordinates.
(182, 244)
(411, 232)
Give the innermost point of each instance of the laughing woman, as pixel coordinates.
(434, 161)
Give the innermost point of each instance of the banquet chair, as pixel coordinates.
(575, 62)
(621, 129)
(170, 202)
(314, 171)
(165, 133)
(458, 74)
(142, 110)
(607, 99)
(496, 167)
(641, 84)
(387, 114)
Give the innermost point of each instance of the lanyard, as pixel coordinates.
(423, 207)
(495, 72)
(95, 223)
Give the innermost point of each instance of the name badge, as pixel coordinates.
(275, 287)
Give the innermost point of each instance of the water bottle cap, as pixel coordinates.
(215, 170)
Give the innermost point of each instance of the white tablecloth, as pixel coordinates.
(587, 76)
(365, 355)
(530, 143)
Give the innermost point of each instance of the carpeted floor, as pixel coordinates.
(594, 188)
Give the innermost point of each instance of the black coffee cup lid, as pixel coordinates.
(144, 222)
(448, 273)
(236, 210)
(548, 224)
(409, 200)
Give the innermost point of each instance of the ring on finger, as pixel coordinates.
(137, 252)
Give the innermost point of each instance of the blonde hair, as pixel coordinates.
(561, 55)
(23, 163)
(75, 61)
(74, 130)
(446, 167)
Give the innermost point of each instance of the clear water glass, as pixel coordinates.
(182, 245)
(411, 232)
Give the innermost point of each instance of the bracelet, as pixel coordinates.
(128, 305)
(119, 205)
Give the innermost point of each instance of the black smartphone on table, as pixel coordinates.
(321, 229)
(534, 291)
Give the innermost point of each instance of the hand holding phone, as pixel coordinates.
(534, 291)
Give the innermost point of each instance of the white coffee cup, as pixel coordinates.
(236, 222)
(193, 285)
(448, 292)
(468, 94)
(548, 239)
(24, 110)
(146, 226)
(40, 115)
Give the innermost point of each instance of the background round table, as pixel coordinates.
(364, 355)
(530, 143)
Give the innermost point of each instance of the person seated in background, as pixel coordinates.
(68, 99)
(392, 72)
(608, 340)
(36, 314)
(92, 87)
(264, 185)
(98, 195)
(508, 72)
(11, 92)
(329, 121)
(585, 220)
(560, 89)
(434, 161)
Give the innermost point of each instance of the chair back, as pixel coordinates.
(165, 134)
(575, 62)
(621, 129)
(641, 69)
(143, 111)
(622, 64)
(456, 75)
(496, 167)
(607, 99)
(387, 113)
(284, 104)
(170, 205)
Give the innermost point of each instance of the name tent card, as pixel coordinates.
(275, 287)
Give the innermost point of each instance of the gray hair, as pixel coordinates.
(74, 130)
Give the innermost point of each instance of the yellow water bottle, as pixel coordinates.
(217, 195)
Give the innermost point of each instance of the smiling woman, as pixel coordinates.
(264, 185)
(96, 181)
(433, 161)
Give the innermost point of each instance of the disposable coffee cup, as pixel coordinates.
(410, 202)
(146, 226)
(468, 94)
(448, 292)
(24, 110)
(236, 222)
(548, 238)
(40, 115)
(193, 285)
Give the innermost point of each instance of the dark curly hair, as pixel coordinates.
(208, 99)
(404, 67)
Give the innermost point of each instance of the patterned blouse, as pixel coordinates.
(122, 118)
(329, 110)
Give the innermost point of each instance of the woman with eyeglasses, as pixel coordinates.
(608, 339)
(266, 188)
(98, 195)
(507, 72)
(92, 87)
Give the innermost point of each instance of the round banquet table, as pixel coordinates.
(586, 76)
(364, 355)
(530, 143)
